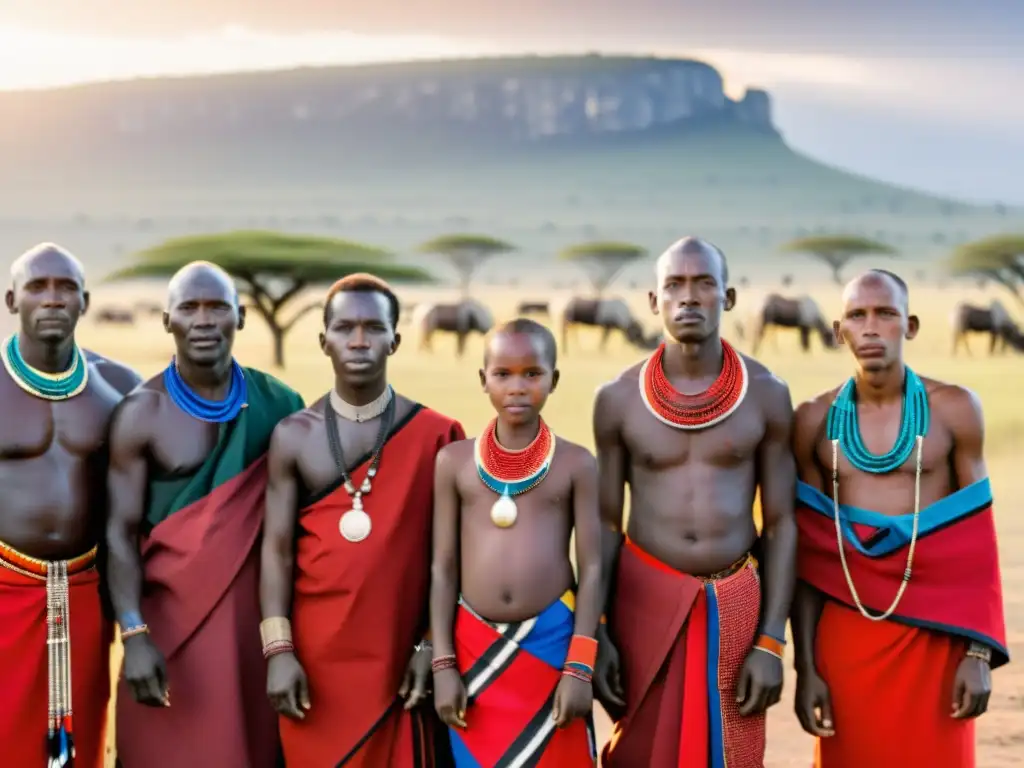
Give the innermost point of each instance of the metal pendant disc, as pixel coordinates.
(355, 525)
(504, 512)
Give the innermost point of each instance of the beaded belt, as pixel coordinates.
(734, 568)
(60, 736)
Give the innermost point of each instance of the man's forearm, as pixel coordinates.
(275, 582)
(124, 575)
(807, 605)
(779, 576)
(611, 546)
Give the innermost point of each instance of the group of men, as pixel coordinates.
(355, 583)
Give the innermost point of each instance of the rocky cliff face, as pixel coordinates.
(495, 101)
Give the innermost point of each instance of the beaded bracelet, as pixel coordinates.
(582, 651)
(139, 629)
(980, 652)
(441, 663)
(276, 647)
(770, 645)
(578, 676)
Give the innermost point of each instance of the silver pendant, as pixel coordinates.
(504, 512)
(355, 525)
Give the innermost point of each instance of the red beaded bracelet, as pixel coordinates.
(441, 663)
(582, 651)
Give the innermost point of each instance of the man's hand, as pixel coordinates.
(415, 684)
(287, 686)
(146, 672)
(760, 683)
(573, 698)
(814, 704)
(607, 686)
(971, 688)
(450, 697)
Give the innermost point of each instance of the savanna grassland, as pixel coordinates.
(449, 385)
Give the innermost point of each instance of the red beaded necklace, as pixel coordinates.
(699, 411)
(512, 466)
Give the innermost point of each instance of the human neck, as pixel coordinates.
(208, 381)
(49, 358)
(516, 437)
(363, 394)
(881, 386)
(693, 359)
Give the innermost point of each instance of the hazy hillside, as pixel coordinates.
(544, 152)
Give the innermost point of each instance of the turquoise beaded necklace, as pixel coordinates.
(47, 386)
(844, 427)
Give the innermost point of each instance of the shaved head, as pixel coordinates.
(200, 275)
(693, 245)
(880, 277)
(522, 326)
(46, 260)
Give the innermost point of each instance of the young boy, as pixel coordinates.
(514, 644)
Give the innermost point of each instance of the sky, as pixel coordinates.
(918, 92)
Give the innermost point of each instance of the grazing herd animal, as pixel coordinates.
(801, 313)
(462, 318)
(610, 315)
(994, 320)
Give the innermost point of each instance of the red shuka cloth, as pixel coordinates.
(360, 608)
(23, 670)
(201, 602)
(682, 642)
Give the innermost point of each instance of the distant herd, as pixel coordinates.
(770, 312)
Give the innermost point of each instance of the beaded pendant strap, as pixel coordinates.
(46, 386)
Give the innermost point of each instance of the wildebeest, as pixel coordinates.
(993, 320)
(533, 308)
(607, 314)
(801, 313)
(115, 316)
(461, 318)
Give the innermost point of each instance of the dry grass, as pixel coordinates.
(445, 384)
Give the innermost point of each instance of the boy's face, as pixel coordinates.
(517, 376)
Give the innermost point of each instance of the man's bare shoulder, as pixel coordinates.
(118, 375)
(291, 433)
(811, 414)
(959, 408)
(768, 385)
(619, 391)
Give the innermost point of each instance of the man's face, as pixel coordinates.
(691, 294)
(203, 315)
(875, 322)
(48, 296)
(359, 336)
(517, 376)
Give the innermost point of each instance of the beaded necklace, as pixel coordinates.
(843, 425)
(46, 386)
(510, 473)
(216, 411)
(692, 412)
(844, 433)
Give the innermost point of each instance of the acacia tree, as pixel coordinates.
(465, 253)
(602, 261)
(272, 270)
(838, 250)
(999, 258)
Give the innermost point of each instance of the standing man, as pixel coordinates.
(54, 639)
(691, 656)
(346, 553)
(898, 619)
(186, 486)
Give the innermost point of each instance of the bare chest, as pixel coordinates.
(655, 446)
(181, 444)
(33, 427)
(553, 493)
(319, 467)
(879, 439)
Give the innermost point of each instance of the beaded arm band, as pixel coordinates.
(579, 661)
(770, 645)
(131, 624)
(276, 635)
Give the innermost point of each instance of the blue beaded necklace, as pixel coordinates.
(844, 427)
(47, 386)
(217, 411)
